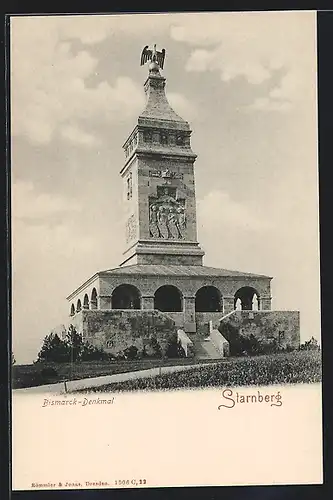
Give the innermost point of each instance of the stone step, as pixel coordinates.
(205, 349)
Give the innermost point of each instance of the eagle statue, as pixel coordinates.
(153, 56)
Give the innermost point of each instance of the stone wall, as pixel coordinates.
(117, 329)
(279, 327)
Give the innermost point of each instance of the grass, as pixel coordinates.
(283, 368)
(40, 374)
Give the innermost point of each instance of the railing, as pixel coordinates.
(186, 343)
(221, 343)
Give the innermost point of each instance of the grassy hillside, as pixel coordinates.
(284, 368)
(50, 373)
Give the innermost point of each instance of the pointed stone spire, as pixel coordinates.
(159, 128)
(158, 106)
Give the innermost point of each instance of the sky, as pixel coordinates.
(246, 82)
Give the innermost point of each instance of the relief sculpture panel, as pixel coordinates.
(131, 228)
(167, 217)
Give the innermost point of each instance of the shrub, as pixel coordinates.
(243, 345)
(120, 356)
(152, 349)
(175, 349)
(130, 352)
(90, 352)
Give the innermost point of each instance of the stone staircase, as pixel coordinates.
(205, 349)
(206, 343)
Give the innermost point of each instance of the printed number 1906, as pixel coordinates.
(130, 482)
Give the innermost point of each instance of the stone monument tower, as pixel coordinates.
(161, 280)
(159, 184)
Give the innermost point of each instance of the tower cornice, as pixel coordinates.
(161, 154)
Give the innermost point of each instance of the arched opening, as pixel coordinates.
(208, 299)
(245, 297)
(93, 299)
(126, 297)
(78, 306)
(86, 302)
(168, 298)
(72, 310)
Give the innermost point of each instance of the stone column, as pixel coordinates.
(189, 314)
(265, 303)
(147, 302)
(228, 304)
(104, 302)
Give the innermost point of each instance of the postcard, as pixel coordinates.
(165, 250)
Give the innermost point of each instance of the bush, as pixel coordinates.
(130, 352)
(92, 353)
(175, 349)
(243, 345)
(152, 349)
(119, 356)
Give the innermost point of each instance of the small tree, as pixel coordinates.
(53, 350)
(75, 343)
(72, 348)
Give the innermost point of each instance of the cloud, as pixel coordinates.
(182, 106)
(75, 135)
(27, 204)
(240, 65)
(269, 104)
(49, 91)
(218, 209)
(281, 97)
(255, 46)
(199, 60)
